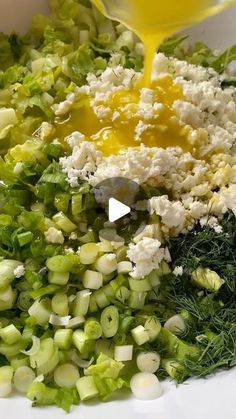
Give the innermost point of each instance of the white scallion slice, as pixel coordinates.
(106, 264)
(66, 375)
(176, 325)
(34, 348)
(92, 279)
(123, 353)
(124, 267)
(75, 322)
(140, 335)
(145, 386)
(58, 320)
(5, 389)
(6, 374)
(23, 377)
(148, 361)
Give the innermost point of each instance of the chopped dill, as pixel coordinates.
(210, 316)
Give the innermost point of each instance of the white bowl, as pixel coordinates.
(213, 398)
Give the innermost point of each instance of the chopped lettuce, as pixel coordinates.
(105, 367)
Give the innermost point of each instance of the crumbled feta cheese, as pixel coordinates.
(73, 236)
(63, 108)
(75, 138)
(101, 111)
(160, 66)
(53, 235)
(188, 113)
(83, 161)
(229, 195)
(140, 128)
(211, 222)
(146, 255)
(178, 271)
(68, 250)
(19, 271)
(171, 213)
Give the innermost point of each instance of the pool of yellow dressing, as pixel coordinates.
(163, 129)
(152, 21)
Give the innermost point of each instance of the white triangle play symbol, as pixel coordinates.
(117, 210)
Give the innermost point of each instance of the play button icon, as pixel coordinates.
(124, 203)
(117, 210)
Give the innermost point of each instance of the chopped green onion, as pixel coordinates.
(88, 253)
(82, 342)
(101, 298)
(39, 394)
(145, 386)
(81, 303)
(124, 267)
(9, 351)
(123, 353)
(40, 311)
(106, 264)
(59, 320)
(104, 346)
(25, 238)
(63, 338)
(61, 201)
(153, 327)
(148, 361)
(92, 280)
(121, 254)
(77, 204)
(62, 264)
(123, 294)
(75, 322)
(86, 388)
(140, 335)
(66, 375)
(60, 304)
(154, 278)
(49, 364)
(93, 307)
(45, 352)
(64, 223)
(6, 374)
(110, 321)
(93, 329)
(109, 291)
(19, 361)
(6, 294)
(137, 299)
(23, 377)
(7, 268)
(176, 325)
(58, 278)
(140, 285)
(105, 246)
(10, 334)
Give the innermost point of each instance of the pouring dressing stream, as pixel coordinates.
(155, 20)
(152, 21)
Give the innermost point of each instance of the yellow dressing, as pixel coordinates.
(111, 135)
(155, 20)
